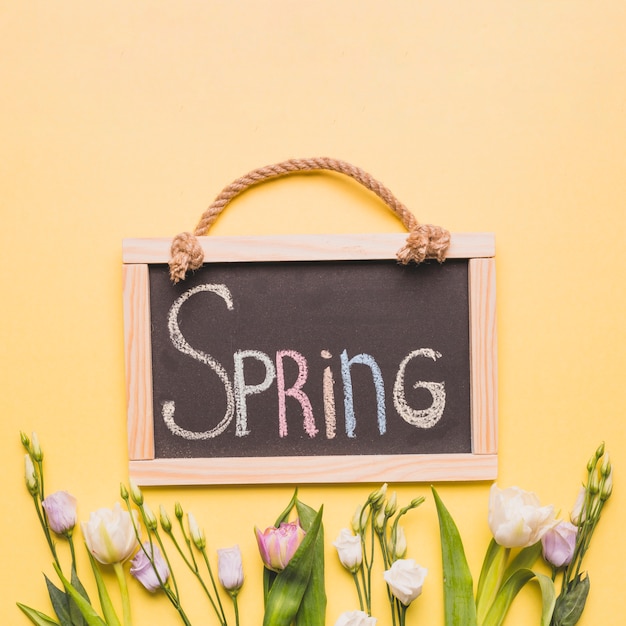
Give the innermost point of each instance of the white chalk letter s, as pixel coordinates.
(181, 344)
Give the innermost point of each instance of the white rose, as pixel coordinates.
(355, 618)
(110, 535)
(516, 517)
(349, 550)
(405, 579)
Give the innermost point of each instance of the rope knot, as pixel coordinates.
(426, 241)
(186, 254)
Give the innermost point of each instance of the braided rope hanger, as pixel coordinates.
(425, 241)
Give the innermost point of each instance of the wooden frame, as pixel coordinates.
(145, 469)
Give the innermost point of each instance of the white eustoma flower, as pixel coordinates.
(405, 579)
(516, 517)
(110, 535)
(349, 550)
(355, 618)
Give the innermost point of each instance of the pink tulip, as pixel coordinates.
(278, 545)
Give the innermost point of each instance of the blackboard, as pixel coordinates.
(310, 361)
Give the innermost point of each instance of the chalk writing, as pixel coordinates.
(238, 391)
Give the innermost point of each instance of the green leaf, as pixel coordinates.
(491, 576)
(286, 594)
(312, 611)
(459, 606)
(571, 603)
(285, 514)
(60, 602)
(525, 559)
(88, 612)
(511, 588)
(36, 617)
(105, 600)
(548, 596)
(77, 617)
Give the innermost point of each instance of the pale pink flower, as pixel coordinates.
(278, 545)
(60, 508)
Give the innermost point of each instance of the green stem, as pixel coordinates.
(118, 568)
(176, 603)
(215, 590)
(70, 540)
(370, 564)
(236, 605)
(41, 514)
(402, 613)
(358, 590)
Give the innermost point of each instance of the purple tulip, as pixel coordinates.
(559, 544)
(142, 568)
(60, 508)
(278, 545)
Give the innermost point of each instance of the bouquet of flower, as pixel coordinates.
(523, 531)
(519, 523)
(292, 553)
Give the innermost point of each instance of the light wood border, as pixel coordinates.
(145, 469)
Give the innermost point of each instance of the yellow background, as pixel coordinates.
(125, 119)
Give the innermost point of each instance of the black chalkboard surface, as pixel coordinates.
(311, 359)
(289, 321)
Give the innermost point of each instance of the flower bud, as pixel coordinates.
(600, 451)
(32, 483)
(178, 511)
(376, 498)
(197, 535)
(123, 492)
(135, 493)
(349, 550)
(396, 544)
(166, 523)
(230, 569)
(359, 519)
(60, 508)
(379, 521)
(606, 487)
(578, 514)
(36, 450)
(392, 505)
(605, 468)
(594, 484)
(417, 501)
(149, 517)
(25, 440)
